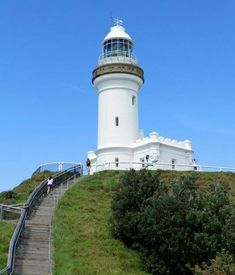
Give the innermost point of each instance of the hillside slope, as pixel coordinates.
(82, 240)
(81, 232)
(83, 244)
(21, 192)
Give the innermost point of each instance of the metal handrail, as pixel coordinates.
(8, 208)
(60, 165)
(32, 200)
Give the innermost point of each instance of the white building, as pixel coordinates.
(121, 144)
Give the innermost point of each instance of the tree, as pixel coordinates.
(174, 227)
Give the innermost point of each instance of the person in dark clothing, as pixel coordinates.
(88, 166)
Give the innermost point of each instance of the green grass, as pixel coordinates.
(6, 231)
(83, 243)
(82, 240)
(20, 193)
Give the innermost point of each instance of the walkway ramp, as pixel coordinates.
(34, 254)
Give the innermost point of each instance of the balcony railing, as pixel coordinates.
(117, 56)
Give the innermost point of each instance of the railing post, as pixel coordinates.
(1, 212)
(59, 167)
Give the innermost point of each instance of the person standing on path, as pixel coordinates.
(88, 166)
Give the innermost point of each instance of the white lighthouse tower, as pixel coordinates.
(121, 144)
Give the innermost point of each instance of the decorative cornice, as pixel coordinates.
(117, 68)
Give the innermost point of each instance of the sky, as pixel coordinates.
(48, 105)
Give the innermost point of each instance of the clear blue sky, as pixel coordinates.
(48, 49)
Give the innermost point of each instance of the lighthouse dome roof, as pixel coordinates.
(117, 31)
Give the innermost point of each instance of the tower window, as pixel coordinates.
(173, 161)
(116, 161)
(117, 121)
(133, 100)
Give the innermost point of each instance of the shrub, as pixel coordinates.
(174, 227)
(133, 191)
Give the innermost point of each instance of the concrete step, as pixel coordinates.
(31, 227)
(34, 245)
(24, 268)
(35, 228)
(38, 257)
(37, 219)
(24, 251)
(35, 239)
(30, 249)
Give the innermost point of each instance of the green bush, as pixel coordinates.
(133, 191)
(174, 226)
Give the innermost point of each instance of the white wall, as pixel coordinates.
(164, 154)
(115, 93)
(129, 157)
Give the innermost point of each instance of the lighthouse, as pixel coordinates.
(120, 143)
(118, 80)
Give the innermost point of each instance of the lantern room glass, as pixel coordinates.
(117, 47)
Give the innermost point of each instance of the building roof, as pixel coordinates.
(117, 31)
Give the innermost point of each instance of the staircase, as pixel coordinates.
(34, 254)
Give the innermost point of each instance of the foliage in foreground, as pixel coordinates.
(82, 240)
(175, 226)
(6, 231)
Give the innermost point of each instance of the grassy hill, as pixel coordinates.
(20, 193)
(83, 244)
(82, 240)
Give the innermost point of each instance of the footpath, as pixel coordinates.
(34, 253)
